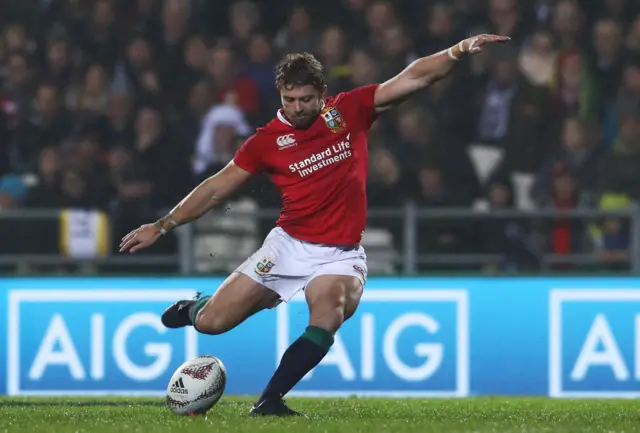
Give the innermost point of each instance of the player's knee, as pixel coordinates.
(210, 323)
(329, 314)
(330, 321)
(352, 300)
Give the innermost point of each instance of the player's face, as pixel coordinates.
(302, 104)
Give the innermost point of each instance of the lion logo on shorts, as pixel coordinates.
(265, 265)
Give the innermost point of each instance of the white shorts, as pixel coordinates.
(286, 265)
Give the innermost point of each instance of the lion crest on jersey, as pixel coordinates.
(265, 265)
(334, 120)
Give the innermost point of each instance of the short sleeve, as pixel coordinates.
(249, 157)
(363, 99)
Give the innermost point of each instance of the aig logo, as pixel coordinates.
(85, 342)
(594, 343)
(402, 343)
(286, 141)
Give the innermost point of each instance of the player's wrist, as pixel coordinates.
(165, 224)
(457, 52)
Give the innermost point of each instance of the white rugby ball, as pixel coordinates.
(196, 385)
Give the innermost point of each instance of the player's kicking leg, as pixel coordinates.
(332, 299)
(238, 298)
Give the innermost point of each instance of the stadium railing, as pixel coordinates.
(32, 238)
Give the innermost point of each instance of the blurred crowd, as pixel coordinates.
(124, 105)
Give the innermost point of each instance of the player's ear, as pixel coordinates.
(324, 92)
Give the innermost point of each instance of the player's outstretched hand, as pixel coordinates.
(140, 238)
(475, 44)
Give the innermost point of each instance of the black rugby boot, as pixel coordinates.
(274, 407)
(178, 314)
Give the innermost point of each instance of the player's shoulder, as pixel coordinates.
(353, 96)
(269, 133)
(277, 125)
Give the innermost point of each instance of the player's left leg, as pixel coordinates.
(332, 299)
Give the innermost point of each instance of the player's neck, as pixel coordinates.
(282, 117)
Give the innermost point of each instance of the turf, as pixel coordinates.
(326, 416)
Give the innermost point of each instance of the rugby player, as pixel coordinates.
(315, 151)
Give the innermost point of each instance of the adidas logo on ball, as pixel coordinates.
(178, 387)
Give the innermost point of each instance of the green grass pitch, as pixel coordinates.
(350, 415)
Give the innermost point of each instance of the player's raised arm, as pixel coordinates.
(205, 196)
(427, 70)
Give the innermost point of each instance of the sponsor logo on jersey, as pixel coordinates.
(331, 155)
(334, 120)
(286, 141)
(265, 265)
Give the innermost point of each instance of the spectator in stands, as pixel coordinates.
(579, 152)
(46, 193)
(244, 17)
(297, 36)
(117, 126)
(102, 41)
(440, 235)
(159, 158)
(568, 24)
(397, 51)
(58, 67)
(446, 100)
(537, 59)
(77, 192)
(608, 58)
(507, 17)
(574, 87)
(380, 16)
(92, 93)
(543, 12)
(564, 235)
(226, 79)
(387, 188)
(333, 53)
(138, 58)
(513, 114)
(633, 39)
(507, 238)
(49, 125)
(13, 191)
(222, 127)
(18, 89)
(195, 58)
(614, 233)
(187, 124)
(440, 31)
(629, 90)
(362, 68)
(618, 169)
(386, 183)
(420, 137)
(260, 68)
(16, 40)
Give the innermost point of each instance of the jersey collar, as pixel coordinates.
(283, 119)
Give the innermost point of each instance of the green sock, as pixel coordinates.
(319, 336)
(193, 310)
(303, 354)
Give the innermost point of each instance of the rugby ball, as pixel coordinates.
(196, 386)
